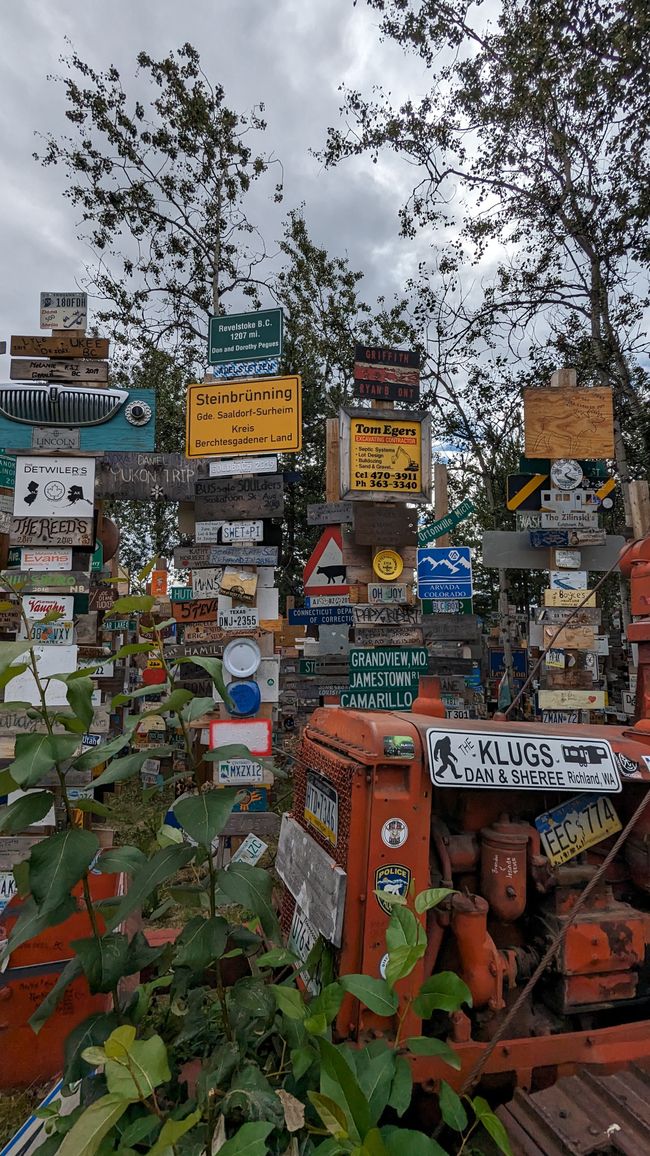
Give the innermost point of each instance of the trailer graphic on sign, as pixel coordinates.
(520, 759)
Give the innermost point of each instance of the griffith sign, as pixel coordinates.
(386, 374)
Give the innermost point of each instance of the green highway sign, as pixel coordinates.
(447, 606)
(245, 336)
(7, 471)
(429, 534)
(378, 699)
(394, 658)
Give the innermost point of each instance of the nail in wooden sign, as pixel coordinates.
(60, 345)
(378, 525)
(240, 497)
(27, 531)
(86, 371)
(146, 476)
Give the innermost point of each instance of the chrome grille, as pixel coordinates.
(58, 405)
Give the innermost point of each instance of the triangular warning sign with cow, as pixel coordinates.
(325, 571)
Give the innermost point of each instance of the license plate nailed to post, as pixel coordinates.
(522, 759)
(576, 825)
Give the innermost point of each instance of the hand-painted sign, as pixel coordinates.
(364, 614)
(201, 610)
(385, 456)
(520, 759)
(245, 336)
(387, 374)
(562, 422)
(376, 525)
(325, 571)
(205, 583)
(73, 583)
(101, 597)
(444, 572)
(580, 699)
(329, 513)
(187, 557)
(25, 369)
(373, 636)
(247, 497)
(54, 487)
(321, 616)
(146, 476)
(576, 825)
(64, 310)
(60, 345)
(569, 598)
(251, 417)
(428, 534)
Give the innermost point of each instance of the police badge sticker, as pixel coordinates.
(394, 833)
(391, 879)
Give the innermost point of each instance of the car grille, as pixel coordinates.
(57, 405)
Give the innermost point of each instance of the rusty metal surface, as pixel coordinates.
(583, 1114)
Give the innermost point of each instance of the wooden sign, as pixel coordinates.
(571, 699)
(238, 583)
(73, 583)
(210, 632)
(144, 476)
(311, 875)
(568, 580)
(385, 456)
(366, 615)
(565, 423)
(52, 532)
(86, 627)
(451, 627)
(329, 513)
(512, 550)
(570, 637)
(86, 371)
(205, 583)
(390, 636)
(101, 597)
(199, 610)
(246, 497)
(61, 345)
(569, 598)
(387, 374)
(189, 557)
(584, 617)
(385, 524)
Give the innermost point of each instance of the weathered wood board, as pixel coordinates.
(512, 550)
(145, 476)
(385, 525)
(329, 513)
(51, 532)
(77, 370)
(316, 882)
(246, 497)
(60, 345)
(570, 699)
(461, 627)
(391, 636)
(73, 583)
(198, 610)
(363, 615)
(589, 615)
(567, 423)
(569, 598)
(570, 638)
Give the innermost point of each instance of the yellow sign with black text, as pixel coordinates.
(238, 418)
(385, 455)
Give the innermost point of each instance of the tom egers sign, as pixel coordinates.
(242, 418)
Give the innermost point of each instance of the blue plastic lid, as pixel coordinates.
(246, 697)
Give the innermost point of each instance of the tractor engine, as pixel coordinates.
(387, 804)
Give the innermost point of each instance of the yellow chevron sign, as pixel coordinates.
(606, 488)
(521, 486)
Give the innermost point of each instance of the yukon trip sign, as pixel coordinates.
(527, 761)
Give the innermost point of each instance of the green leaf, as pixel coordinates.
(36, 754)
(401, 1089)
(428, 1046)
(205, 815)
(116, 859)
(249, 1140)
(146, 570)
(135, 648)
(7, 783)
(79, 695)
(328, 1002)
(253, 1097)
(375, 1078)
(91, 806)
(91, 1032)
(139, 1130)
(171, 1131)
(401, 961)
(105, 751)
(130, 603)
(121, 769)
(451, 1108)
(374, 993)
(289, 1001)
(57, 863)
(174, 703)
(404, 929)
(442, 992)
(333, 1117)
(10, 651)
(349, 1094)
(31, 922)
(302, 1060)
(135, 1068)
(89, 1130)
(401, 1140)
(214, 668)
(48, 1005)
(30, 808)
(431, 898)
(196, 708)
(252, 887)
(162, 865)
(277, 957)
(104, 960)
(201, 942)
(492, 1124)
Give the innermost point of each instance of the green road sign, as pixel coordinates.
(7, 471)
(428, 535)
(395, 658)
(447, 606)
(245, 336)
(97, 561)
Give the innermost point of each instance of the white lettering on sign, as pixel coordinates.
(35, 559)
(520, 759)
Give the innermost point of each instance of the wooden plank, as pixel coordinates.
(246, 497)
(566, 422)
(639, 495)
(390, 525)
(262, 823)
(390, 636)
(363, 615)
(570, 638)
(199, 610)
(61, 345)
(39, 370)
(329, 513)
(51, 532)
(513, 550)
(332, 461)
(569, 598)
(571, 699)
(101, 597)
(555, 614)
(316, 882)
(144, 476)
(461, 627)
(203, 556)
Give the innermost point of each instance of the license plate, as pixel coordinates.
(302, 937)
(576, 825)
(322, 807)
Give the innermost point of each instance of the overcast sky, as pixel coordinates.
(290, 54)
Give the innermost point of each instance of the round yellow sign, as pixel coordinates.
(387, 564)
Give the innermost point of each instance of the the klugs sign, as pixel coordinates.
(385, 455)
(261, 416)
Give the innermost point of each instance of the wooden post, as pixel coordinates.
(332, 460)
(639, 494)
(441, 498)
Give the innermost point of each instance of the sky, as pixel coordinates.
(290, 54)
